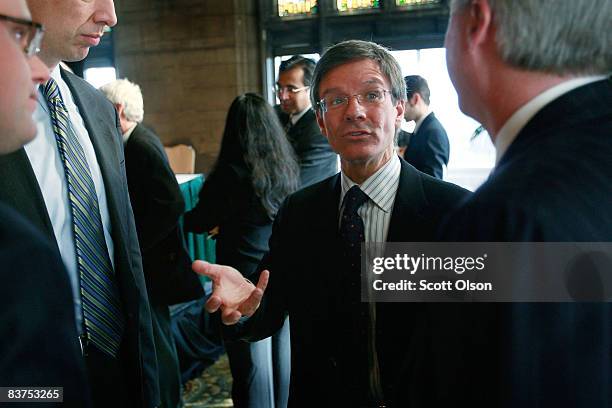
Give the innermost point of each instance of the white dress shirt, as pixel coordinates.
(48, 168)
(519, 119)
(381, 188)
(297, 116)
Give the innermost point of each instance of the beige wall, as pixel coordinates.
(191, 59)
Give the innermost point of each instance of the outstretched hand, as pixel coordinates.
(232, 293)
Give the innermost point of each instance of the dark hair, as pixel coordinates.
(354, 50)
(297, 61)
(417, 84)
(254, 139)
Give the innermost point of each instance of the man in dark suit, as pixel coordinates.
(157, 203)
(351, 353)
(428, 147)
(38, 337)
(544, 97)
(70, 184)
(316, 158)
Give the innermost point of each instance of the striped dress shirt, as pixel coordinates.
(381, 188)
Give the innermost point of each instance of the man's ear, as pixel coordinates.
(400, 109)
(321, 122)
(120, 108)
(480, 21)
(414, 99)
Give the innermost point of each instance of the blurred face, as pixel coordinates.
(72, 27)
(410, 109)
(18, 78)
(361, 133)
(288, 82)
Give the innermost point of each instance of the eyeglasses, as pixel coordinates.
(291, 89)
(27, 34)
(371, 97)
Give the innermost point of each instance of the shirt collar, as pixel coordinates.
(519, 119)
(128, 133)
(294, 118)
(376, 187)
(420, 121)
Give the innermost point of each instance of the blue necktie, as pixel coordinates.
(103, 319)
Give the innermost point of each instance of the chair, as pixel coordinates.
(181, 158)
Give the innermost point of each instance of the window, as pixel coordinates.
(415, 3)
(287, 8)
(471, 159)
(100, 76)
(351, 5)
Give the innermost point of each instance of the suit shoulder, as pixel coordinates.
(14, 232)
(87, 91)
(439, 191)
(145, 138)
(307, 194)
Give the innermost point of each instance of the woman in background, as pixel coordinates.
(255, 171)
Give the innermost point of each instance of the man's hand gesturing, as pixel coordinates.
(232, 293)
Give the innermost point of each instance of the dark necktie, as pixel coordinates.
(289, 124)
(351, 227)
(352, 233)
(103, 319)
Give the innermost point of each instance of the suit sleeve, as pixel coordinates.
(434, 155)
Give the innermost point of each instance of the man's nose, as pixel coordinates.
(354, 109)
(105, 13)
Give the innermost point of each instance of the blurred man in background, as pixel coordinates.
(158, 203)
(427, 148)
(315, 156)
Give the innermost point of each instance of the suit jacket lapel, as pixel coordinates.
(407, 209)
(298, 127)
(108, 153)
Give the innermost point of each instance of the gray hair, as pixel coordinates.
(352, 50)
(555, 36)
(128, 94)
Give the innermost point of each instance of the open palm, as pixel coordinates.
(232, 293)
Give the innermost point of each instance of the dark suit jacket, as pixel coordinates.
(38, 336)
(227, 200)
(19, 189)
(553, 184)
(316, 158)
(307, 282)
(158, 203)
(428, 149)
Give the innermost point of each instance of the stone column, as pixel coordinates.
(191, 59)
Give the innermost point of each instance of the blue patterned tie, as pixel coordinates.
(102, 314)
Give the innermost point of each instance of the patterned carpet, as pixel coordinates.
(212, 389)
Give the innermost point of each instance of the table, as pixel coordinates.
(198, 245)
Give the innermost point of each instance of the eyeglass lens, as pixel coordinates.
(30, 42)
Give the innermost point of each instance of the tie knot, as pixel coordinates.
(51, 90)
(354, 199)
